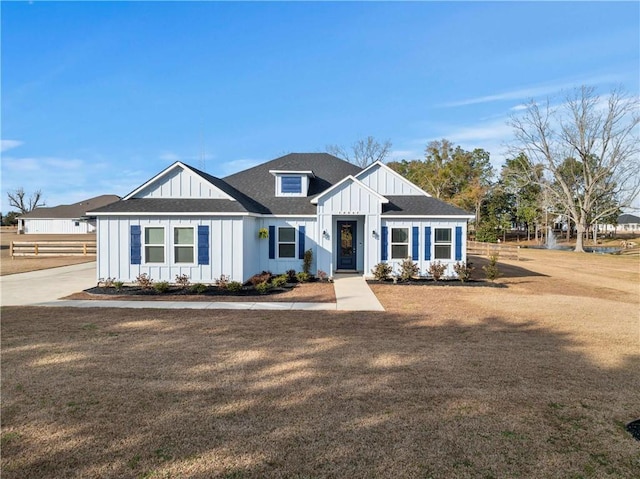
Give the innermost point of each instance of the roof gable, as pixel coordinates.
(340, 186)
(180, 181)
(386, 181)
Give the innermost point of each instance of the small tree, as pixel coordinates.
(491, 270)
(306, 261)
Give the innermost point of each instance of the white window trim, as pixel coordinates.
(441, 243)
(144, 245)
(304, 185)
(174, 245)
(295, 243)
(392, 243)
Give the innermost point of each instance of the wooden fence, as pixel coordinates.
(488, 249)
(53, 248)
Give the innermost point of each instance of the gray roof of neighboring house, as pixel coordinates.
(628, 219)
(254, 190)
(419, 205)
(73, 211)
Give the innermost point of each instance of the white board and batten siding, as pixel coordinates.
(57, 226)
(225, 249)
(180, 183)
(385, 181)
(264, 261)
(350, 201)
(421, 224)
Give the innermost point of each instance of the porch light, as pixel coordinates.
(374, 233)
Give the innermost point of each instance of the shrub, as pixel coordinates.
(161, 286)
(436, 270)
(381, 271)
(463, 271)
(321, 275)
(222, 281)
(106, 282)
(198, 288)
(182, 280)
(263, 277)
(291, 275)
(144, 281)
(306, 261)
(279, 281)
(491, 270)
(303, 277)
(408, 269)
(234, 286)
(263, 287)
(118, 285)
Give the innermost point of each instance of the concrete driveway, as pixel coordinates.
(34, 287)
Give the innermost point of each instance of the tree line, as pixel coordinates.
(576, 160)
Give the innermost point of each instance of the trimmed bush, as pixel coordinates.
(381, 271)
(161, 286)
(303, 277)
(198, 288)
(234, 286)
(279, 281)
(463, 271)
(408, 270)
(263, 288)
(436, 270)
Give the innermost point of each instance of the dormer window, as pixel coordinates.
(292, 183)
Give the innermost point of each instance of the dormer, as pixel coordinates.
(292, 183)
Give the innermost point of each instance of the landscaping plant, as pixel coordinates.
(198, 288)
(408, 269)
(463, 271)
(161, 286)
(306, 261)
(182, 280)
(234, 286)
(263, 288)
(144, 281)
(279, 281)
(381, 271)
(491, 270)
(436, 270)
(222, 281)
(303, 277)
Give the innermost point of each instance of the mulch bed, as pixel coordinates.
(442, 282)
(316, 292)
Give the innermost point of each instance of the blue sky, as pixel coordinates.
(99, 97)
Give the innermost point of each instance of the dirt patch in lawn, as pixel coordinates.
(316, 292)
(25, 264)
(535, 379)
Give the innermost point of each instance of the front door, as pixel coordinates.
(346, 245)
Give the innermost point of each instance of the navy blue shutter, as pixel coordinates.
(385, 243)
(203, 244)
(458, 243)
(272, 242)
(136, 249)
(416, 245)
(301, 231)
(427, 243)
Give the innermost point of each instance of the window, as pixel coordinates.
(76, 223)
(291, 184)
(399, 243)
(442, 248)
(286, 242)
(154, 245)
(183, 245)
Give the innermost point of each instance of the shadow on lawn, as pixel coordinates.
(121, 393)
(506, 270)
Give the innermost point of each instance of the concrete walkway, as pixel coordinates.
(354, 294)
(44, 287)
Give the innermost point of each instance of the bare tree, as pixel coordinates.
(363, 152)
(24, 203)
(587, 149)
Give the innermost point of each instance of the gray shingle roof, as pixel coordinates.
(628, 219)
(257, 183)
(73, 211)
(173, 205)
(419, 205)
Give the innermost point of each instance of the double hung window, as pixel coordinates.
(399, 243)
(183, 245)
(154, 244)
(442, 243)
(286, 242)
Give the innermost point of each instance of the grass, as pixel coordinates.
(535, 379)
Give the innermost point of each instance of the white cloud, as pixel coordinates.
(543, 89)
(6, 145)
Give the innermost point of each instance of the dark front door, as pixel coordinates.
(346, 245)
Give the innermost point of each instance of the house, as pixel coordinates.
(626, 224)
(185, 221)
(63, 219)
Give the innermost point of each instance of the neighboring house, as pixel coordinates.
(185, 221)
(629, 224)
(64, 219)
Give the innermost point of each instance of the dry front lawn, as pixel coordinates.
(533, 379)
